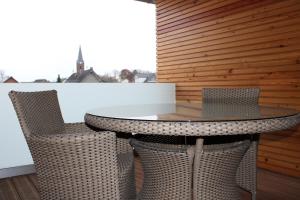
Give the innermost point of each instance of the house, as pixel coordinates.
(81, 75)
(145, 77)
(10, 80)
(86, 76)
(137, 76)
(41, 81)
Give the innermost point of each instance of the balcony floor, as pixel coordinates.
(271, 186)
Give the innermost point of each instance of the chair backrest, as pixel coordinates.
(230, 95)
(38, 112)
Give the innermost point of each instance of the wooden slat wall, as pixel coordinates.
(236, 43)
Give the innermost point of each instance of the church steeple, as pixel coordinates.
(80, 62)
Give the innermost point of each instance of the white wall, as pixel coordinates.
(75, 99)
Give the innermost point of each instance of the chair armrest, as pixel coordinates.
(123, 145)
(76, 127)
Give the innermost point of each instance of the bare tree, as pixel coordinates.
(2, 75)
(116, 73)
(106, 78)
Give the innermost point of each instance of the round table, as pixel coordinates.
(187, 119)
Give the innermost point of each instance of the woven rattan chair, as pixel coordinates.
(246, 173)
(71, 160)
(174, 172)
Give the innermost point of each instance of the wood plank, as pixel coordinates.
(251, 15)
(258, 42)
(197, 88)
(204, 57)
(258, 45)
(294, 55)
(292, 133)
(177, 7)
(231, 77)
(271, 186)
(224, 11)
(161, 4)
(25, 188)
(284, 105)
(230, 71)
(276, 150)
(262, 66)
(238, 26)
(284, 158)
(278, 169)
(8, 190)
(33, 179)
(263, 94)
(206, 43)
(279, 163)
(199, 100)
(181, 16)
(293, 101)
(279, 144)
(166, 6)
(283, 102)
(242, 83)
(280, 93)
(234, 25)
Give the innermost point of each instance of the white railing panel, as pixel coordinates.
(75, 100)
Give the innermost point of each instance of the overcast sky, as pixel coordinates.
(40, 38)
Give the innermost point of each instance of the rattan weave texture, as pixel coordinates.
(160, 131)
(71, 160)
(215, 171)
(230, 95)
(192, 128)
(181, 172)
(215, 98)
(167, 171)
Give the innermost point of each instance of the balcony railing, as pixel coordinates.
(75, 100)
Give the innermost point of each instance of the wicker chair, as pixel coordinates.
(246, 173)
(174, 172)
(246, 96)
(71, 160)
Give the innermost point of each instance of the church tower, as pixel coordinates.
(80, 62)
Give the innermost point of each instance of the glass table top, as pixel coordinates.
(191, 112)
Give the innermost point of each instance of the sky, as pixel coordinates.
(41, 38)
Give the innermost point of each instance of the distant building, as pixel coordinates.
(41, 81)
(10, 80)
(87, 76)
(145, 77)
(137, 76)
(81, 75)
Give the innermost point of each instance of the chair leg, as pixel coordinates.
(253, 195)
(246, 173)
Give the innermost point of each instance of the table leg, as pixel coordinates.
(198, 151)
